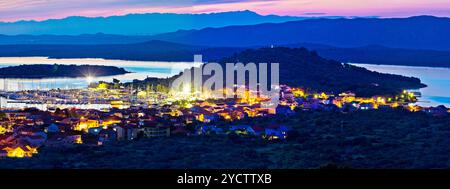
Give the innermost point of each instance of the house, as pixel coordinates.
(287, 95)
(90, 139)
(62, 139)
(350, 106)
(37, 139)
(207, 117)
(224, 114)
(20, 151)
(95, 130)
(157, 131)
(238, 114)
(273, 132)
(7, 138)
(210, 129)
(126, 132)
(311, 104)
(366, 106)
(85, 124)
(110, 120)
(242, 129)
(107, 135)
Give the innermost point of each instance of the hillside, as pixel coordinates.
(369, 139)
(303, 68)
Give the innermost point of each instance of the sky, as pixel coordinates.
(13, 10)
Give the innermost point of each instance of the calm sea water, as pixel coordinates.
(437, 79)
(140, 69)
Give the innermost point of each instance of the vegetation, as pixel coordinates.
(303, 68)
(363, 139)
(57, 70)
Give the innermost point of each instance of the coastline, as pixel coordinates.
(52, 71)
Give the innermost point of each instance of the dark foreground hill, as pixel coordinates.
(57, 70)
(390, 139)
(300, 67)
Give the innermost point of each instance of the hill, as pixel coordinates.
(369, 139)
(303, 68)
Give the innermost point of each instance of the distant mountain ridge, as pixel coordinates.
(84, 39)
(137, 24)
(421, 32)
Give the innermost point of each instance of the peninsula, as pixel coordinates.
(59, 70)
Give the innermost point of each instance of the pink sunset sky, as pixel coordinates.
(13, 10)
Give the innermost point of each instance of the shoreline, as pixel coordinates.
(51, 71)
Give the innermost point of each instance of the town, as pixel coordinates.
(119, 113)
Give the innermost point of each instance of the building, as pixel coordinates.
(273, 132)
(125, 132)
(20, 151)
(158, 131)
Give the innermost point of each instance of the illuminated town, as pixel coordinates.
(120, 113)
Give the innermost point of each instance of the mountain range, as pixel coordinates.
(415, 41)
(421, 32)
(137, 24)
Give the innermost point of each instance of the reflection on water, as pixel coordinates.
(437, 79)
(140, 69)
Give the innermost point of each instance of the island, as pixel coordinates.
(300, 67)
(59, 70)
